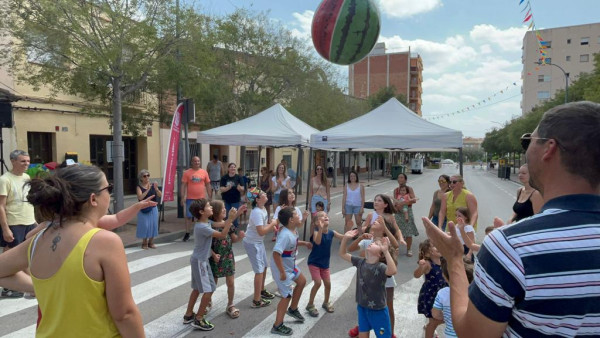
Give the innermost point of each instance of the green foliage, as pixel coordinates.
(507, 139)
(383, 95)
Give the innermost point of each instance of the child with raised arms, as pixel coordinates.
(318, 261)
(222, 261)
(370, 285)
(255, 247)
(202, 278)
(285, 271)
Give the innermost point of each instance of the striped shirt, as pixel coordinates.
(542, 274)
(442, 303)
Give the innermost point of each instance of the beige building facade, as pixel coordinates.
(571, 48)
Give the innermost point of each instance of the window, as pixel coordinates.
(585, 41)
(584, 58)
(544, 78)
(568, 57)
(568, 41)
(548, 61)
(548, 44)
(39, 147)
(543, 95)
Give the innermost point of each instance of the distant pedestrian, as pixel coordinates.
(147, 218)
(266, 185)
(17, 216)
(529, 201)
(195, 184)
(203, 281)
(215, 171)
(407, 226)
(231, 189)
(353, 201)
(434, 210)
(458, 196)
(280, 181)
(319, 190)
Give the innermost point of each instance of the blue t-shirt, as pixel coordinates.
(321, 253)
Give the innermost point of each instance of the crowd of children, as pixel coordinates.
(378, 242)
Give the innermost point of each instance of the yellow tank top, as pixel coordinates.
(452, 205)
(71, 304)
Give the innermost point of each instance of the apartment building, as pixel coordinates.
(569, 52)
(380, 69)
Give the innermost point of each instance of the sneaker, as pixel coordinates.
(353, 332)
(202, 324)
(282, 330)
(6, 293)
(264, 294)
(189, 319)
(296, 314)
(186, 237)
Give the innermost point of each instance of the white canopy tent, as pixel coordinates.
(274, 127)
(390, 126)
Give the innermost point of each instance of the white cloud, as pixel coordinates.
(302, 26)
(510, 39)
(407, 8)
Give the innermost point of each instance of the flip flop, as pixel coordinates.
(232, 311)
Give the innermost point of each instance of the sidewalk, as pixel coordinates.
(513, 176)
(173, 228)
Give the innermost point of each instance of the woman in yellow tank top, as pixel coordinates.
(79, 272)
(457, 197)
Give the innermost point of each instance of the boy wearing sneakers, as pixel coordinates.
(203, 281)
(284, 269)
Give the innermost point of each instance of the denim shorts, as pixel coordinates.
(352, 209)
(313, 203)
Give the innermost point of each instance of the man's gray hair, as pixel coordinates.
(576, 128)
(16, 153)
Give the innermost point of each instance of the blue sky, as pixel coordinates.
(470, 49)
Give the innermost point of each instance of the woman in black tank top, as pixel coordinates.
(529, 201)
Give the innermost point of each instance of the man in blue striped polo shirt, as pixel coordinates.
(540, 276)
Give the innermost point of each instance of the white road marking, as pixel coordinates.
(136, 249)
(340, 282)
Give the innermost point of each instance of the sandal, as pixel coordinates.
(260, 303)
(328, 307)
(232, 311)
(409, 253)
(312, 310)
(151, 246)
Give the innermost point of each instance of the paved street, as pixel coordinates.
(161, 277)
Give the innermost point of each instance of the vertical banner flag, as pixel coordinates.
(172, 151)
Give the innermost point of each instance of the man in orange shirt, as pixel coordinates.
(195, 184)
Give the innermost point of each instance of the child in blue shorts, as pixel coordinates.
(284, 269)
(370, 285)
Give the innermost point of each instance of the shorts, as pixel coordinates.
(390, 282)
(316, 273)
(202, 276)
(215, 185)
(257, 255)
(188, 203)
(352, 209)
(313, 203)
(276, 198)
(376, 320)
(19, 233)
(285, 287)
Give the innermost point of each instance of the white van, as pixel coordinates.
(416, 165)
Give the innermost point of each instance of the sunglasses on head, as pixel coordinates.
(108, 188)
(526, 140)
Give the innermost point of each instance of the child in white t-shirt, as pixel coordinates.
(463, 220)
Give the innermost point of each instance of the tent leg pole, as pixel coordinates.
(259, 166)
(298, 187)
(460, 159)
(307, 203)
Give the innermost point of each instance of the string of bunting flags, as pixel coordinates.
(480, 104)
(542, 44)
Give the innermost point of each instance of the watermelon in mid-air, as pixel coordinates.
(345, 31)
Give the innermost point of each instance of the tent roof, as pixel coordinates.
(389, 126)
(274, 127)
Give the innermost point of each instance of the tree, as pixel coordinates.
(383, 95)
(103, 51)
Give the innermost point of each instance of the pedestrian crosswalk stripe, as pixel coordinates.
(170, 325)
(151, 261)
(340, 281)
(136, 249)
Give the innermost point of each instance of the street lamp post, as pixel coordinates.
(564, 73)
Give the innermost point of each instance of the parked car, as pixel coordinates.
(447, 161)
